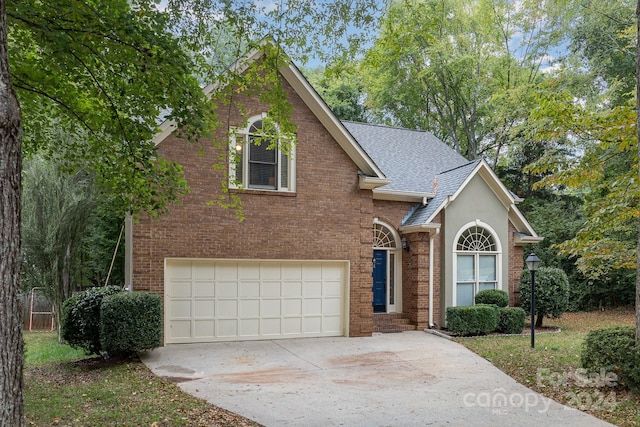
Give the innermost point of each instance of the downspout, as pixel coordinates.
(432, 237)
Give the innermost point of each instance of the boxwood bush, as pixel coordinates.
(477, 319)
(615, 351)
(493, 296)
(511, 320)
(81, 318)
(130, 322)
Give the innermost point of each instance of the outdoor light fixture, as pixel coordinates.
(405, 244)
(533, 262)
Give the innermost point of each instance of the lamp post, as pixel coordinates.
(532, 264)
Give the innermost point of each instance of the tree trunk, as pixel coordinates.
(539, 319)
(638, 146)
(11, 344)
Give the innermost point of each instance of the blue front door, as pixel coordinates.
(379, 281)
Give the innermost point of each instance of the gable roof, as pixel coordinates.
(316, 104)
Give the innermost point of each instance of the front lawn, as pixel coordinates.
(64, 387)
(553, 367)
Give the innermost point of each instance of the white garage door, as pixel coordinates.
(220, 300)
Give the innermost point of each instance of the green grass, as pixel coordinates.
(43, 347)
(552, 368)
(65, 387)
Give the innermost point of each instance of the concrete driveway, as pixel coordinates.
(411, 378)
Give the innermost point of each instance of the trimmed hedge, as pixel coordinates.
(81, 318)
(613, 350)
(479, 319)
(493, 296)
(511, 320)
(130, 322)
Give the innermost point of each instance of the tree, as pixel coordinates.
(551, 293)
(55, 215)
(638, 174)
(11, 401)
(104, 71)
(342, 90)
(460, 69)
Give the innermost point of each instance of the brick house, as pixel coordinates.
(363, 228)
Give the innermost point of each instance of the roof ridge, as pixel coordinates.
(386, 126)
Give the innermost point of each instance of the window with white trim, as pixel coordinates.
(256, 158)
(476, 264)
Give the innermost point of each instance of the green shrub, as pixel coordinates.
(551, 292)
(493, 296)
(81, 318)
(130, 322)
(511, 320)
(477, 319)
(613, 350)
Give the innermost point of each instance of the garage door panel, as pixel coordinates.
(292, 289)
(292, 326)
(292, 307)
(270, 272)
(271, 327)
(313, 289)
(270, 289)
(249, 327)
(312, 306)
(313, 324)
(220, 300)
(179, 289)
(204, 328)
(249, 308)
(249, 289)
(332, 306)
(226, 289)
(181, 308)
(227, 328)
(204, 308)
(204, 289)
(227, 308)
(271, 307)
(203, 271)
(181, 330)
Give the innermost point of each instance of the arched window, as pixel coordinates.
(477, 254)
(383, 237)
(256, 159)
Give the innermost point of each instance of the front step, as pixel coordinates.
(392, 322)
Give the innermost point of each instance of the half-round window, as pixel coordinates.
(476, 239)
(383, 237)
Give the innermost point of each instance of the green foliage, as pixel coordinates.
(81, 318)
(342, 90)
(472, 320)
(448, 67)
(493, 296)
(511, 320)
(613, 350)
(130, 322)
(551, 292)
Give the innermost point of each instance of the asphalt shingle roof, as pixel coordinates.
(410, 158)
(448, 183)
(414, 161)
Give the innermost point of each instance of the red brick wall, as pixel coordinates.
(327, 218)
(516, 264)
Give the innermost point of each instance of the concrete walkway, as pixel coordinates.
(406, 379)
